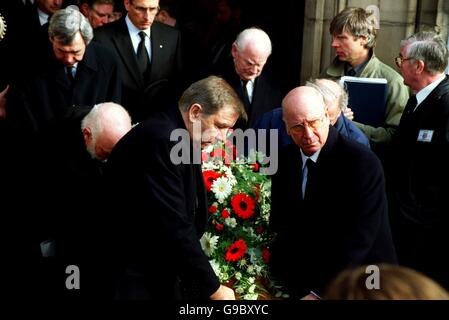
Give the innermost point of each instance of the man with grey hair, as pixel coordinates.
(354, 34)
(77, 72)
(257, 89)
(420, 158)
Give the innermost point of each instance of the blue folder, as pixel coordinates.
(367, 99)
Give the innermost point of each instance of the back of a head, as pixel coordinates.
(66, 23)
(256, 37)
(212, 93)
(356, 21)
(109, 118)
(429, 47)
(395, 283)
(331, 91)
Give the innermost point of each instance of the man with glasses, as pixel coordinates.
(354, 34)
(97, 11)
(421, 158)
(337, 216)
(150, 56)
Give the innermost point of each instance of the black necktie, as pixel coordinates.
(411, 105)
(142, 54)
(70, 75)
(306, 176)
(245, 94)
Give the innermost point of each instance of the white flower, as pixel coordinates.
(209, 243)
(252, 288)
(250, 296)
(231, 222)
(251, 279)
(238, 275)
(221, 188)
(250, 269)
(215, 266)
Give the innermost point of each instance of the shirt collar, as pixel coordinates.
(43, 17)
(313, 157)
(133, 30)
(424, 93)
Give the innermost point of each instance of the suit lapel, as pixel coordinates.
(157, 49)
(125, 48)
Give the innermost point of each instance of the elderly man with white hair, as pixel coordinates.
(246, 74)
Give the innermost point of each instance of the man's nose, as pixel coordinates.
(334, 43)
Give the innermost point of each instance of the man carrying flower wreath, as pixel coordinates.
(159, 245)
(334, 215)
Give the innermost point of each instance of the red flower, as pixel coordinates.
(225, 214)
(255, 166)
(236, 251)
(212, 209)
(218, 153)
(209, 177)
(219, 226)
(266, 255)
(243, 205)
(260, 230)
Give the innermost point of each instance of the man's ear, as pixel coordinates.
(419, 66)
(195, 112)
(234, 50)
(87, 135)
(363, 40)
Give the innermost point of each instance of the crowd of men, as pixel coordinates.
(86, 129)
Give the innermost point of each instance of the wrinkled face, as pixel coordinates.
(142, 12)
(307, 122)
(249, 61)
(69, 54)
(212, 127)
(49, 6)
(349, 48)
(407, 68)
(99, 14)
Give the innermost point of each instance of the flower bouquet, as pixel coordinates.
(237, 240)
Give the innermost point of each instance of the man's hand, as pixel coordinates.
(223, 293)
(3, 103)
(348, 113)
(310, 296)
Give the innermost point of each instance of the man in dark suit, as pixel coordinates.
(258, 91)
(150, 56)
(164, 209)
(338, 207)
(420, 169)
(78, 73)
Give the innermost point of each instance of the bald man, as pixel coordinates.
(337, 191)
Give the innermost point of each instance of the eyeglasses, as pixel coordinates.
(312, 124)
(399, 60)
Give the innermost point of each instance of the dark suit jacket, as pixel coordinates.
(164, 211)
(162, 87)
(421, 174)
(46, 95)
(266, 95)
(342, 222)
